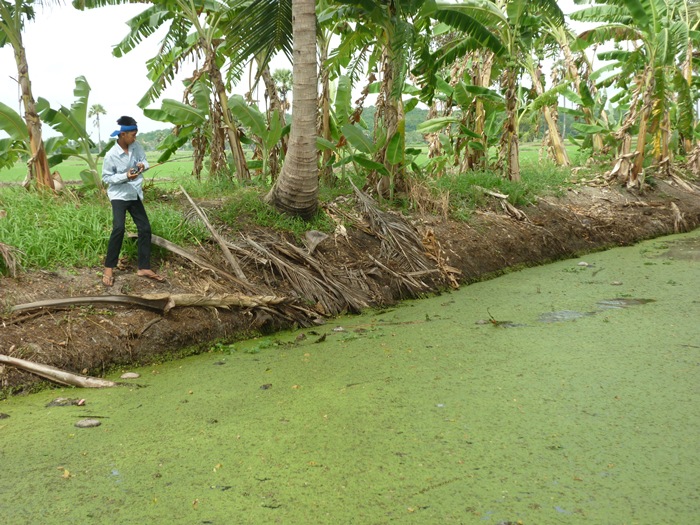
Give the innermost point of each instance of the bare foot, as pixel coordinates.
(150, 274)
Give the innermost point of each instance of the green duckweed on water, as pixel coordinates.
(566, 393)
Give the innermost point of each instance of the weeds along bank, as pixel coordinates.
(379, 258)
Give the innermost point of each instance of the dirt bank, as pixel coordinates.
(367, 264)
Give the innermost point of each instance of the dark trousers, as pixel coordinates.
(138, 213)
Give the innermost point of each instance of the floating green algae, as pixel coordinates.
(417, 414)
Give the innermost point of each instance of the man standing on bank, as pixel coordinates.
(122, 171)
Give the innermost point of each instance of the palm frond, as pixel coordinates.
(261, 29)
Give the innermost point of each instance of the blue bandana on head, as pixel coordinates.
(123, 129)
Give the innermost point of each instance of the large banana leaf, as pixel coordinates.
(250, 116)
(71, 123)
(12, 124)
(436, 124)
(177, 113)
(358, 139)
(343, 99)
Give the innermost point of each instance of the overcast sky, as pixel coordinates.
(63, 43)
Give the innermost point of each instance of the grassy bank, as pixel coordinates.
(71, 230)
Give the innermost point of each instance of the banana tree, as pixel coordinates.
(193, 28)
(545, 101)
(17, 146)
(265, 137)
(658, 35)
(588, 100)
(13, 16)
(192, 124)
(71, 123)
(459, 132)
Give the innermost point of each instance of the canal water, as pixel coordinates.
(568, 393)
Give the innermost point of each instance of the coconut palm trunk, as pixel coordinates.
(296, 190)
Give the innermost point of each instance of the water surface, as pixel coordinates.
(567, 393)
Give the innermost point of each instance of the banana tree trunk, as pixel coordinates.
(570, 63)
(633, 181)
(296, 190)
(234, 137)
(561, 158)
(482, 77)
(275, 105)
(509, 145)
(645, 115)
(388, 113)
(688, 76)
(38, 165)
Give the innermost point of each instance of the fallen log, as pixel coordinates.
(158, 305)
(163, 302)
(56, 374)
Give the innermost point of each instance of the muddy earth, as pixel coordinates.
(292, 282)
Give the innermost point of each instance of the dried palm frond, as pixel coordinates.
(400, 242)
(307, 277)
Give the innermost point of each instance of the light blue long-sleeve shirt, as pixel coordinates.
(115, 172)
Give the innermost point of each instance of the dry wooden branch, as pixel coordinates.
(158, 305)
(227, 253)
(162, 302)
(492, 193)
(56, 374)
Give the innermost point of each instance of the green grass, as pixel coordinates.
(179, 167)
(72, 229)
(466, 193)
(52, 232)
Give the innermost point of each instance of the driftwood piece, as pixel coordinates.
(222, 243)
(162, 302)
(224, 300)
(56, 374)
